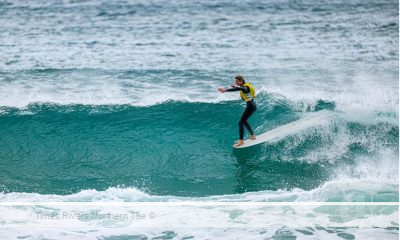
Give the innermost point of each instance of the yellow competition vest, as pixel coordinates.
(250, 95)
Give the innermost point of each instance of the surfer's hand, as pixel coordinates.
(222, 90)
(233, 85)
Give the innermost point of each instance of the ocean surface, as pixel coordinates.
(118, 101)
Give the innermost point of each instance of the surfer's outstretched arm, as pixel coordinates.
(235, 88)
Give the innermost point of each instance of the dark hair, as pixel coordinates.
(239, 77)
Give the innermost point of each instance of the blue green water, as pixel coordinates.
(118, 100)
(174, 148)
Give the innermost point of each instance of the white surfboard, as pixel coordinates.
(309, 120)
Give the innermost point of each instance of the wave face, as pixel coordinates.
(184, 148)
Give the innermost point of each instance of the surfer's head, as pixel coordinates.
(239, 79)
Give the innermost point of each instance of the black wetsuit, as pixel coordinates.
(248, 111)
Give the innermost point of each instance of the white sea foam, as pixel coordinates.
(336, 138)
(187, 232)
(209, 221)
(342, 189)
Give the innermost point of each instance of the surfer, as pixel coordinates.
(247, 93)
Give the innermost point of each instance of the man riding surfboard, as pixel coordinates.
(247, 93)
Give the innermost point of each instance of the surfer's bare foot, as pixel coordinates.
(253, 137)
(239, 143)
